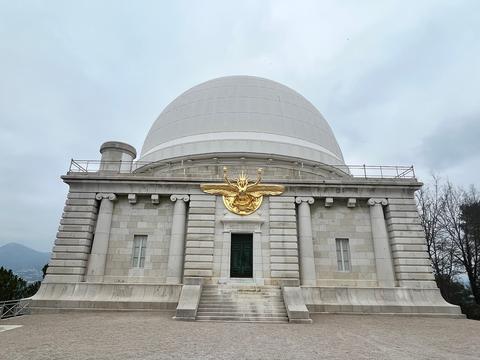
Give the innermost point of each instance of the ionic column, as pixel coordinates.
(381, 246)
(98, 255)
(305, 241)
(177, 240)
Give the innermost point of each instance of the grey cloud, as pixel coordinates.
(454, 141)
(389, 78)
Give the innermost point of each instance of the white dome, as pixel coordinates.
(241, 115)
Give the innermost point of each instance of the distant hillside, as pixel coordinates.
(23, 261)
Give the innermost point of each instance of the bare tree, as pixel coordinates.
(430, 203)
(470, 250)
(460, 219)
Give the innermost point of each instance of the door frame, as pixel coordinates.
(251, 224)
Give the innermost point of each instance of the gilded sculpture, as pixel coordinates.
(241, 196)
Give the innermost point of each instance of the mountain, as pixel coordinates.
(23, 261)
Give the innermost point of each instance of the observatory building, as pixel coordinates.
(239, 207)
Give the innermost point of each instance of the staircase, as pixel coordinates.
(244, 303)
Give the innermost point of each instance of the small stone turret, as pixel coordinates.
(117, 157)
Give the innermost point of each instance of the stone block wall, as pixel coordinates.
(199, 247)
(407, 241)
(283, 238)
(340, 221)
(141, 218)
(74, 239)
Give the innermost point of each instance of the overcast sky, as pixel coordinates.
(398, 81)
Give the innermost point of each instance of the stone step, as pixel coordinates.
(257, 295)
(250, 298)
(242, 319)
(231, 293)
(242, 295)
(240, 304)
(240, 286)
(259, 307)
(246, 303)
(242, 291)
(256, 307)
(241, 313)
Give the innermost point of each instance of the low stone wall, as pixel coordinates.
(106, 296)
(378, 301)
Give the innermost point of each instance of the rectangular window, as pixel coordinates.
(343, 255)
(139, 245)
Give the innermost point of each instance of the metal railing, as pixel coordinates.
(13, 308)
(143, 168)
(381, 171)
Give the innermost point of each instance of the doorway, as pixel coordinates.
(241, 256)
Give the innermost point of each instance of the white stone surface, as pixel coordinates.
(241, 114)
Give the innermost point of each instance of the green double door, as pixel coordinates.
(241, 256)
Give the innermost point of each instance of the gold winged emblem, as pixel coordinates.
(241, 196)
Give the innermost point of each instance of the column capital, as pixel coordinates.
(176, 197)
(377, 201)
(307, 199)
(108, 196)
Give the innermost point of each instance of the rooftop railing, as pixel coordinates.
(142, 168)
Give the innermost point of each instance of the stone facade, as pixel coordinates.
(143, 235)
(294, 239)
(141, 218)
(336, 222)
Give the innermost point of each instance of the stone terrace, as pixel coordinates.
(132, 335)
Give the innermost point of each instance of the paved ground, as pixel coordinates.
(107, 335)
